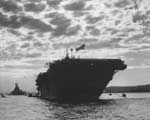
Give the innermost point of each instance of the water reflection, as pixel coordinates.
(28, 108)
(66, 111)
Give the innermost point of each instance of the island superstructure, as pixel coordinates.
(77, 78)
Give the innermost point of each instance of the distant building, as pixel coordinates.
(17, 91)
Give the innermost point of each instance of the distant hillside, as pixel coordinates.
(118, 89)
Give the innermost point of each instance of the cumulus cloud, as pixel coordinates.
(9, 21)
(112, 30)
(51, 15)
(138, 58)
(33, 55)
(75, 6)
(32, 7)
(14, 32)
(24, 21)
(88, 40)
(99, 45)
(7, 55)
(60, 20)
(91, 44)
(139, 16)
(121, 3)
(93, 20)
(73, 30)
(95, 32)
(53, 3)
(25, 45)
(28, 38)
(36, 24)
(79, 13)
(10, 6)
(37, 44)
(135, 39)
(62, 23)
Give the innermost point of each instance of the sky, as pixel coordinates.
(33, 32)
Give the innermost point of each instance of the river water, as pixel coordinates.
(136, 106)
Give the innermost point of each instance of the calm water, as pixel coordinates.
(134, 107)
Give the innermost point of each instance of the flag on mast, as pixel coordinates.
(80, 47)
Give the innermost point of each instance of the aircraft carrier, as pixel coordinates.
(77, 78)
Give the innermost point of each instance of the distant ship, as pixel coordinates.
(76, 78)
(17, 91)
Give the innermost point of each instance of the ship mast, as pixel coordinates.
(67, 54)
(71, 51)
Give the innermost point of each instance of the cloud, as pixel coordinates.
(99, 45)
(26, 21)
(28, 38)
(35, 24)
(41, 46)
(139, 58)
(65, 45)
(146, 31)
(14, 32)
(36, 61)
(95, 32)
(80, 20)
(74, 44)
(146, 23)
(92, 20)
(128, 30)
(60, 20)
(135, 39)
(121, 3)
(91, 44)
(117, 22)
(11, 22)
(139, 16)
(21, 67)
(16, 55)
(142, 47)
(32, 1)
(61, 23)
(17, 51)
(115, 12)
(10, 6)
(79, 13)
(94, 43)
(32, 7)
(7, 55)
(112, 30)
(73, 30)
(54, 3)
(11, 47)
(37, 44)
(107, 5)
(138, 67)
(51, 15)
(33, 55)
(59, 31)
(88, 40)
(25, 45)
(75, 6)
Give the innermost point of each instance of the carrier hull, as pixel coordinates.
(77, 79)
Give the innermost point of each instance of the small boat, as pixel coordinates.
(123, 95)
